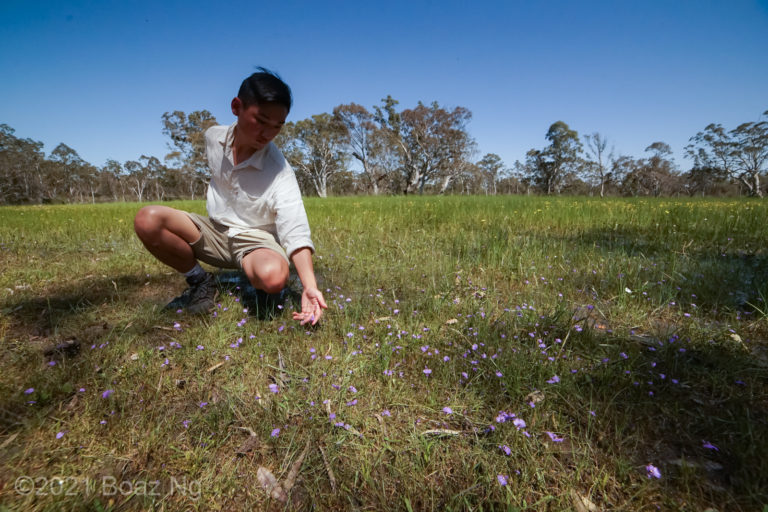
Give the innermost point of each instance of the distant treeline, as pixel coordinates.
(423, 150)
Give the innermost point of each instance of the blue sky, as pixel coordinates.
(98, 75)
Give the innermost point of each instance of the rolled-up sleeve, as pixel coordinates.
(290, 216)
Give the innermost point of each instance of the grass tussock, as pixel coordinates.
(495, 353)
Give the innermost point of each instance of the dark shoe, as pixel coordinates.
(200, 297)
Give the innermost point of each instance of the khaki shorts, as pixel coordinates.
(216, 248)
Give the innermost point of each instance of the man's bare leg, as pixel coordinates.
(167, 233)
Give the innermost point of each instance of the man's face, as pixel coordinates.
(257, 125)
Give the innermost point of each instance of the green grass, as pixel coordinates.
(651, 313)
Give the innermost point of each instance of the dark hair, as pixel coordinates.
(265, 86)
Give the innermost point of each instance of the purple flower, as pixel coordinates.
(499, 374)
(29, 391)
(273, 388)
(200, 347)
(353, 389)
(427, 371)
(652, 471)
(386, 412)
(554, 380)
(554, 437)
(506, 449)
(710, 446)
(185, 423)
(203, 404)
(177, 326)
(502, 480)
(352, 402)
(59, 435)
(275, 433)
(447, 410)
(107, 393)
(519, 423)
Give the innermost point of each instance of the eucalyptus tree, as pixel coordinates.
(656, 175)
(491, 166)
(21, 161)
(365, 141)
(187, 134)
(315, 149)
(740, 154)
(77, 175)
(598, 158)
(549, 167)
(432, 142)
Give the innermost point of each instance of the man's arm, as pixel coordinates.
(312, 301)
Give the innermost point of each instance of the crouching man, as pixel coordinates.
(256, 219)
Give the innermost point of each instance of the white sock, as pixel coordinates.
(196, 274)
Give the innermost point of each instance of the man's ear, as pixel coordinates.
(237, 106)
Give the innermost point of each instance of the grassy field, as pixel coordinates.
(487, 353)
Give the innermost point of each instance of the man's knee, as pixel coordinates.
(270, 276)
(147, 221)
(274, 279)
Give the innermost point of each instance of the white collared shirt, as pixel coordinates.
(261, 192)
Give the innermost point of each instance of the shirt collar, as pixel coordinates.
(227, 140)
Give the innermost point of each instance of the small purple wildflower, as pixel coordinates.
(107, 393)
(519, 423)
(59, 435)
(273, 388)
(386, 412)
(554, 380)
(554, 437)
(502, 480)
(427, 371)
(710, 446)
(447, 410)
(200, 347)
(29, 391)
(275, 433)
(652, 471)
(506, 449)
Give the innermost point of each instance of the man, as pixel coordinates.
(256, 222)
